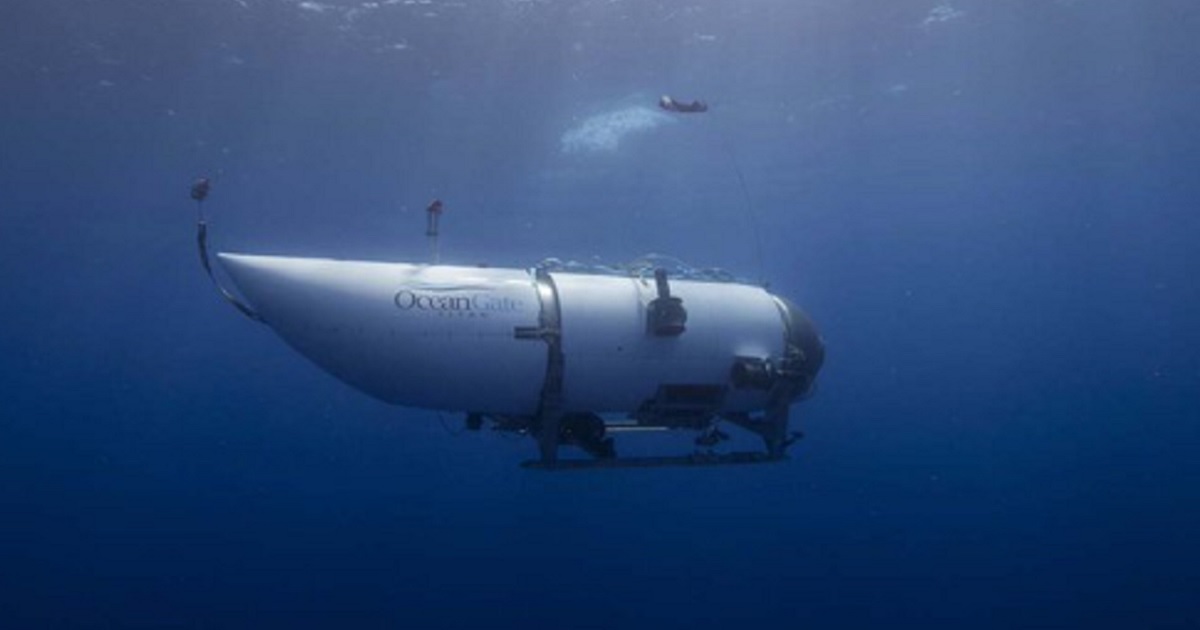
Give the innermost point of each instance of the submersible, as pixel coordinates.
(568, 358)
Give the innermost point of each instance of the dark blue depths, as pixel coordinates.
(990, 210)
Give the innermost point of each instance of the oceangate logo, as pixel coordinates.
(472, 304)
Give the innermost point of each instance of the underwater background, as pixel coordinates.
(991, 209)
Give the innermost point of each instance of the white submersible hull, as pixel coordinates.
(544, 352)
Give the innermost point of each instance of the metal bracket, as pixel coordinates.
(547, 423)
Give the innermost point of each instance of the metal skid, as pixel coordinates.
(592, 435)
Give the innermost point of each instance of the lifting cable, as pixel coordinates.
(748, 208)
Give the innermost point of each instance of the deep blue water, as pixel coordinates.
(991, 209)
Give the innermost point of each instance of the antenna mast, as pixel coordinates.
(433, 213)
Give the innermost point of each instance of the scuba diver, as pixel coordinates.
(672, 105)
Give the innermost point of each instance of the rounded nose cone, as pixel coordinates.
(802, 334)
